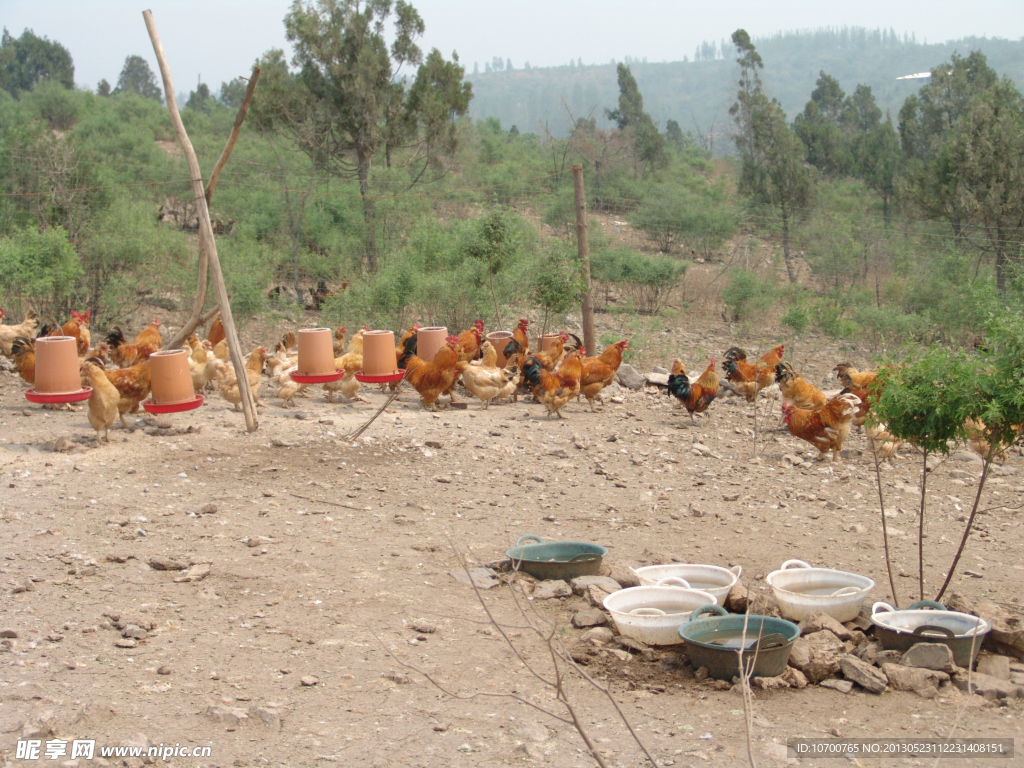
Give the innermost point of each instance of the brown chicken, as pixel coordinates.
(747, 379)
(216, 334)
(553, 391)
(468, 349)
(485, 379)
(350, 362)
(432, 379)
(866, 401)
(23, 352)
(104, 400)
(695, 396)
(797, 390)
(520, 343)
(599, 372)
(404, 349)
(228, 381)
(145, 344)
(202, 366)
(552, 356)
(339, 341)
(851, 377)
(26, 328)
(132, 385)
(78, 326)
(825, 428)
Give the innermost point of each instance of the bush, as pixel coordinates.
(796, 319)
(746, 294)
(42, 269)
(646, 281)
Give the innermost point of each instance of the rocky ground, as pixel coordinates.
(262, 594)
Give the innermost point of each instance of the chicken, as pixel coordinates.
(797, 390)
(695, 396)
(350, 362)
(290, 341)
(553, 391)
(468, 350)
(825, 428)
(882, 442)
(26, 329)
(432, 379)
(23, 352)
(203, 367)
(145, 344)
(132, 385)
(552, 356)
(520, 343)
(339, 341)
(487, 381)
(78, 327)
(221, 352)
(599, 372)
(866, 401)
(228, 380)
(746, 379)
(104, 400)
(979, 440)
(216, 334)
(851, 377)
(101, 352)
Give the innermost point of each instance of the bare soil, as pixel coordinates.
(323, 553)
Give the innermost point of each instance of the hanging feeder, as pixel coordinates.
(316, 357)
(548, 340)
(500, 340)
(429, 341)
(380, 363)
(171, 383)
(58, 377)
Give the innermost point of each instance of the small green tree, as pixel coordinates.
(200, 99)
(27, 60)
(496, 243)
(771, 156)
(42, 268)
(558, 285)
(137, 77)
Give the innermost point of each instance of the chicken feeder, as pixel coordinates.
(316, 357)
(58, 378)
(429, 341)
(499, 340)
(170, 378)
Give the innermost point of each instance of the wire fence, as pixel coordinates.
(119, 238)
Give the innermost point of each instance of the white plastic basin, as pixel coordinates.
(707, 578)
(801, 590)
(653, 615)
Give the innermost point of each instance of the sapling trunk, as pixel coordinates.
(885, 527)
(920, 526)
(497, 314)
(970, 522)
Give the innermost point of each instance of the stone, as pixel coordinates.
(701, 674)
(737, 599)
(801, 654)
(588, 617)
(929, 656)
(770, 683)
(869, 652)
(994, 666)
(164, 669)
(596, 595)
(606, 583)
(656, 377)
(816, 622)
(425, 626)
(624, 576)
(992, 688)
(601, 635)
(483, 578)
(269, 716)
(207, 509)
(126, 642)
(134, 630)
(903, 678)
(843, 686)
(794, 677)
(40, 727)
(9, 633)
(1007, 634)
(966, 457)
(227, 715)
(888, 657)
(197, 572)
(548, 590)
(823, 640)
(23, 585)
(397, 676)
(309, 681)
(629, 378)
(863, 674)
(823, 665)
(159, 563)
(927, 692)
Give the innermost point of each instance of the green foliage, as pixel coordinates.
(40, 268)
(747, 294)
(699, 221)
(796, 319)
(630, 116)
(646, 281)
(29, 60)
(557, 282)
(499, 235)
(136, 77)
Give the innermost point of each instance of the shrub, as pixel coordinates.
(796, 319)
(746, 294)
(41, 268)
(646, 281)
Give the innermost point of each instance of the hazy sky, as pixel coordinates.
(222, 38)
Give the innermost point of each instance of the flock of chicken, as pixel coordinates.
(118, 372)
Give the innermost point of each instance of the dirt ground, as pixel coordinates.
(324, 553)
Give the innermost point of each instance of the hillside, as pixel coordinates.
(702, 91)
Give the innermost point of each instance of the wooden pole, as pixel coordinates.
(206, 240)
(583, 249)
(196, 318)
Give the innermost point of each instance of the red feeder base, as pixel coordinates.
(65, 397)
(316, 378)
(190, 405)
(383, 378)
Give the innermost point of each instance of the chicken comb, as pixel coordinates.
(416, 326)
(452, 339)
(524, 322)
(343, 329)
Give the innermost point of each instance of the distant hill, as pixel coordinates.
(689, 91)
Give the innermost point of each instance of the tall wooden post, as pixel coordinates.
(206, 239)
(583, 249)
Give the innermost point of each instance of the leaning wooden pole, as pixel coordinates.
(583, 249)
(196, 318)
(206, 240)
